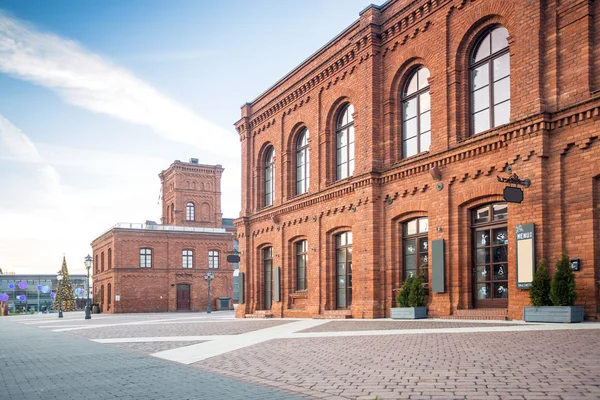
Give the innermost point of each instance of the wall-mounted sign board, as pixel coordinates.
(241, 286)
(525, 255)
(438, 268)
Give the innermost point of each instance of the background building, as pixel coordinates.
(32, 292)
(153, 267)
(378, 157)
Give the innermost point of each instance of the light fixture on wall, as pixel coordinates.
(436, 173)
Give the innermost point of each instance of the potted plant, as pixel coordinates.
(410, 300)
(553, 302)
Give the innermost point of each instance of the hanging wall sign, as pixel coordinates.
(525, 255)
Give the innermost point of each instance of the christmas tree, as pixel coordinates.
(65, 291)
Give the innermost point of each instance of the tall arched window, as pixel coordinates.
(490, 81)
(270, 177)
(416, 114)
(268, 276)
(190, 212)
(109, 258)
(109, 296)
(301, 263)
(343, 258)
(345, 143)
(416, 249)
(302, 162)
(172, 213)
(102, 262)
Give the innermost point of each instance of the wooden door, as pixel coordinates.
(183, 297)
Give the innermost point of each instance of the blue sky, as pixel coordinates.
(97, 97)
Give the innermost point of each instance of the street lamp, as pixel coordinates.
(209, 276)
(88, 265)
(60, 278)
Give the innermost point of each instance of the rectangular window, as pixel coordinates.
(188, 258)
(213, 259)
(145, 258)
(301, 264)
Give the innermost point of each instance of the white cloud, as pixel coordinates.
(87, 80)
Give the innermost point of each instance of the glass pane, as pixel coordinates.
(412, 85)
(483, 273)
(481, 76)
(349, 267)
(340, 240)
(500, 254)
(350, 167)
(410, 263)
(425, 122)
(341, 172)
(300, 158)
(423, 225)
(342, 155)
(499, 41)
(341, 268)
(410, 108)
(484, 49)
(423, 76)
(502, 90)
(351, 134)
(501, 67)
(349, 254)
(342, 139)
(501, 290)
(425, 141)
(341, 298)
(423, 262)
(481, 99)
(500, 236)
(410, 147)
(502, 113)
(351, 151)
(410, 128)
(481, 121)
(483, 256)
(500, 272)
(483, 291)
(482, 238)
(500, 211)
(410, 246)
(341, 281)
(411, 227)
(423, 245)
(341, 256)
(410, 272)
(349, 237)
(424, 102)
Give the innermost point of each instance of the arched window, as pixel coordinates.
(109, 296)
(270, 177)
(96, 260)
(190, 213)
(345, 143)
(109, 258)
(301, 263)
(416, 248)
(416, 114)
(343, 258)
(268, 276)
(302, 162)
(213, 259)
(490, 81)
(172, 213)
(102, 262)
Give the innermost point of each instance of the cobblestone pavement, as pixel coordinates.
(356, 359)
(345, 326)
(40, 364)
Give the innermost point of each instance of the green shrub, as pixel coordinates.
(404, 292)
(416, 297)
(539, 293)
(562, 290)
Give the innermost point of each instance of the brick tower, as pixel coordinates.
(191, 194)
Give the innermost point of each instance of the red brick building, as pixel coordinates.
(388, 141)
(153, 267)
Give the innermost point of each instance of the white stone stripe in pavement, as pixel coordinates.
(164, 339)
(151, 322)
(202, 351)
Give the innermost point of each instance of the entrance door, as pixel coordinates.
(268, 277)
(490, 256)
(343, 255)
(183, 297)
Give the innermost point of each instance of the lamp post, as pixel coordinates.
(209, 276)
(59, 277)
(88, 265)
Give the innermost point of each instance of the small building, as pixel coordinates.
(150, 267)
(33, 292)
(378, 157)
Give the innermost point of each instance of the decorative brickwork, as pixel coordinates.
(552, 139)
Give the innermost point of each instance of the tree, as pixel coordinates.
(65, 293)
(404, 292)
(416, 298)
(539, 293)
(562, 290)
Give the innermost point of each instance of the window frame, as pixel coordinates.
(341, 128)
(489, 60)
(420, 234)
(187, 258)
(302, 184)
(213, 259)
(416, 95)
(146, 252)
(301, 260)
